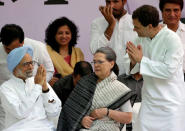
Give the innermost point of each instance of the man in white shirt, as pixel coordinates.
(158, 55)
(114, 29)
(171, 14)
(12, 36)
(27, 101)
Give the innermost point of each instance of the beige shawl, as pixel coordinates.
(61, 65)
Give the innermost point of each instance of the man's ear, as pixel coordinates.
(21, 44)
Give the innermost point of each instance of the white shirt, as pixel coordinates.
(123, 32)
(163, 99)
(40, 54)
(181, 33)
(26, 107)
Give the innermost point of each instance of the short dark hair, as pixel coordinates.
(146, 15)
(82, 68)
(163, 2)
(52, 30)
(110, 56)
(11, 32)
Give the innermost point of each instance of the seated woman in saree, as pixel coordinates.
(99, 101)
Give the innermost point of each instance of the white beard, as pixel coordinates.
(25, 75)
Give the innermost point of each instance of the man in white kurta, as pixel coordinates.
(27, 101)
(158, 55)
(114, 29)
(181, 33)
(40, 55)
(171, 13)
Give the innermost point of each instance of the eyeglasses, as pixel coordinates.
(99, 62)
(26, 64)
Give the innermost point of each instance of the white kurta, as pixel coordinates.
(181, 33)
(40, 54)
(26, 107)
(122, 33)
(163, 99)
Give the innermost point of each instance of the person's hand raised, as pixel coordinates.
(107, 13)
(135, 52)
(40, 76)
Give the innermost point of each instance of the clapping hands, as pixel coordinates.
(135, 52)
(40, 77)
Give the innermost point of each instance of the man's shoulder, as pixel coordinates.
(68, 77)
(64, 82)
(39, 48)
(1, 47)
(3, 54)
(99, 20)
(170, 39)
(8, 85)
(165, 32)
(127, 21)
(182, 26)
(33, 43)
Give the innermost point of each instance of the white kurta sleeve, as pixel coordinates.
(52, 103)
(45, 59)
(41, 56)
(126, 64)
(98, 38)
(18, 106)
(167, 65)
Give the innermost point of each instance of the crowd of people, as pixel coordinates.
(136, 60)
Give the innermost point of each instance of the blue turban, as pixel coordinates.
(16, 55)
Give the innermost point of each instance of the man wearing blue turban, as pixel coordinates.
(12, 36)
(28, 101)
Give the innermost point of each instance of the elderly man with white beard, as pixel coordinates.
(28, 101)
